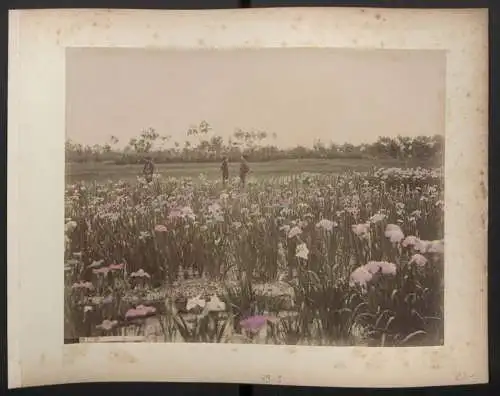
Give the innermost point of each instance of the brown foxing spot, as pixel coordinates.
(122, 356)
(483, 190)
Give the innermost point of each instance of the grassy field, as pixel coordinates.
(102, 171)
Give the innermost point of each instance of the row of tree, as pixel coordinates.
(202, 145)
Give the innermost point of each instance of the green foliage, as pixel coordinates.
(202, 144)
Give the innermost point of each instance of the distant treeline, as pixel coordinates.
(203, 146)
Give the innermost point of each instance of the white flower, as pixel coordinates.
(361, 230)
(327, 225)
(215, 305)
(295, 231)
(436, 247)
(285, 212)
(418, 259)
(195, 302)
(378, 217)
(417, 213)
(302, 251)
(285, 228)
(107, 324)
(140, 274)
(70, 226)
(215, 208)
(144, 235)
(422, 246)
(187, 212)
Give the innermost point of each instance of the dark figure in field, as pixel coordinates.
(225, 170)
(148, 170)
(244, 169)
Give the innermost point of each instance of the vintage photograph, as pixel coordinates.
(279, 196)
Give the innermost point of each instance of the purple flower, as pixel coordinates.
(254, 323)
(116, 267)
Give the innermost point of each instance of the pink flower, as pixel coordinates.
(418, 260)
(116, 267)
(394, 233)
(372, 267)
(388, 268)
(139, 312)
(360, 276)
(160, 228)
(410, 240)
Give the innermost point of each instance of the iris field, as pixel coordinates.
(345, 258)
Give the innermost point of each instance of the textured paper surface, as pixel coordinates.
(36, 129)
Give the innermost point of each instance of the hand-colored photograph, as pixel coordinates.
(272, 196)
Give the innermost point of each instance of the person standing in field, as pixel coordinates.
(148, 170)
(244, 169)
(225, 170)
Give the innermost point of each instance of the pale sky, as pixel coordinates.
(300, 94)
